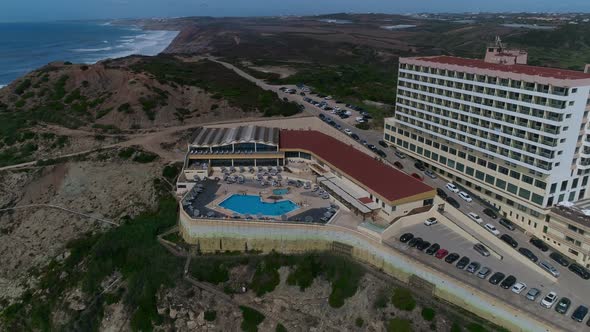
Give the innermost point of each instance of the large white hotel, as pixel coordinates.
(514, 134)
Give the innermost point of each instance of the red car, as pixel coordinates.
(417, 176)
(441, 253)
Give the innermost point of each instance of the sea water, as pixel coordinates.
(28, 46)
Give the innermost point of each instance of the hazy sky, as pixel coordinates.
(36, 10)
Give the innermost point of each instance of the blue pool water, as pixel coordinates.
(280, 192)
(250, 204)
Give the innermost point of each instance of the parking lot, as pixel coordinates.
(509, 265)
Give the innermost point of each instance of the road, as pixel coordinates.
(568, 284)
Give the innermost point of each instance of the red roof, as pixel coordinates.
(376, 176)
(517, 69)
(365, 200)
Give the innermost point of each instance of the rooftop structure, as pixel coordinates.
(212, 137)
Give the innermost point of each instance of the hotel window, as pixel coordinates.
(469, 171)
(501, 184)
(434, 156)
(537, 199)
(527, 179)
(490, 179)
(460, 167)
(512, 188)
(515, 175)
(479, 175)
(524, 193)
(503, 170)
(540, 184)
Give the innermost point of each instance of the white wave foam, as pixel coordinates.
(93, 49)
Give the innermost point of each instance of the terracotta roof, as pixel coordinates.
(518, 69)
(365, 200)
(386, 181)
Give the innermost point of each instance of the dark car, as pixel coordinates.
(463, 262)
(580, 271)
(508, 239)
(322, 116)
(508, 282)
(381, 153)
(528, 254)
(563, 305)
(559, 259)
(355, 136)
(383, 144)
(451, 258)
(507, 223)
(415, 241)
(580, 313)
(441, 193)
(496, 278)
(490, 213)
(398, 165)
(432, 249)
(406, 237)
(372, 147)
(423, 245)
(539, 244)
(453, 202)
(420, 166)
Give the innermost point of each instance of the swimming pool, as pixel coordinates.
(250, 204)
(280, 192)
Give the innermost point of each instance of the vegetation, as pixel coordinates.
(399, 325)
(131, 249)
(217, 80)
(210, 315)
(144, 157)
(280, 328)
(382, 299)
(22, 86)
(474, 327)
(402, 299)
(251, 318)
(428, 314)
(359, 322)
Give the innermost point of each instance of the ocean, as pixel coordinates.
(28, 46)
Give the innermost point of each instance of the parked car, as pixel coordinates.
(580, 271)
(417, 176)
(451, 258)
(441, 253)
(507, 223)
(492, 229)
(372, 147)
(490, 213)
(484, 272)
(432, 249)
(398, 165)
(475, 217)
(465, 196)
(420, 166)
(508, 239)
(430, 174)
(549, 268)
(381, 153)
(400, 154)
(539, 244)
(440, 192)
(549, 300)
(347, 131)
(580, 313)
(508, 282)
(563, 305)
(355, 136)
(532, 294)
(481, 249)
(559, 259)
(528, 254)
(453, 202)
(430, 221)
(518, 287)
(473, 267)
(452, 188)
(383, 144)
(462, 263)
(423, 245)
(406, 237)
(496, 278)
(415, 241)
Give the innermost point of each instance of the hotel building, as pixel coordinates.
(513, 134)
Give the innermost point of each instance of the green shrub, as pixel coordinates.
(399, 325)
(474, 327)
(359, 322)
(145, 157)
(382, 299)
(280, 328)
(126, 153)
(266, 278)
(251, 318)
(402, 299)
(456, 327)
(428, 314)
(22, 86)
(125, 108)
(210, 315)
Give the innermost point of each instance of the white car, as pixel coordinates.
(549, 300)
(492, 229)
(475, 217)
(452, 188)
(348, 131)
(465, 196)
(518, 287)
(430, 221)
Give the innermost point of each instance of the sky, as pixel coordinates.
(50, 10)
